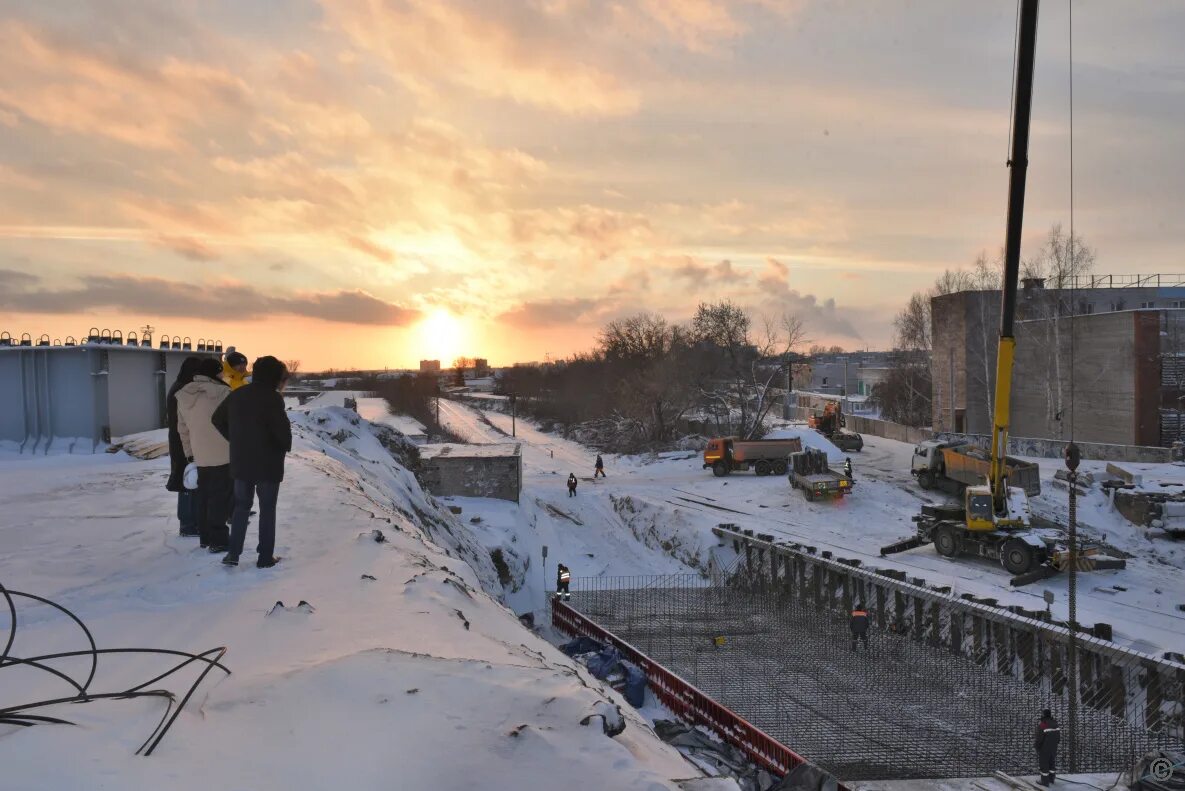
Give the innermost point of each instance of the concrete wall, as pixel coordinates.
(73, 398)
(1056, 449)
(499, 477)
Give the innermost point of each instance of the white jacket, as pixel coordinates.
(196, 403)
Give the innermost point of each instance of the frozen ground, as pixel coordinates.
(671, 503)
(415, 679)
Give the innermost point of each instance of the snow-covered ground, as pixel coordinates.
(404, 673)
(670, 501)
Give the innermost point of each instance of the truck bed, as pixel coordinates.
(971, 469)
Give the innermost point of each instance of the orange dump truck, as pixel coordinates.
(763, 456)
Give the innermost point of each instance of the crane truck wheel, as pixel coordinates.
(719, 469)
(946, 541)
(926, 479)
(1016, 556)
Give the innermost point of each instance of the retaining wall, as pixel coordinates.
(1143, 690)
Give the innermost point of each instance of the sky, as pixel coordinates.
(366, 183)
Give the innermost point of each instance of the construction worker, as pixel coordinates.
(599, 467)
(572, 484)
(562, 578)
(847, 466)
(1049, 735)
(858, 623)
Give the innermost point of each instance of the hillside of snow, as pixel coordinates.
(401, 670)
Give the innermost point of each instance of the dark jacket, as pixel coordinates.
(858, 622)
(1049, 736)
(253, 419)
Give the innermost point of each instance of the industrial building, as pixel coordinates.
(1126, 343)
(73, 397)
(450, 470)
(430, 366)
(854, 373)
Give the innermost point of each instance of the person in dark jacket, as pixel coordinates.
(847, 467)
(572, 484)
(253, 419)
(599, 467)
(1049, 735)
(186, 501)
(858, 623)
(562, 578)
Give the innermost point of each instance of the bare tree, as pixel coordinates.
(744, 365)
(293, 367)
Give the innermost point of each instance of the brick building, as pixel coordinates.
(450, 470)
(1128, 345)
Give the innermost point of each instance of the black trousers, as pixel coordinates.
(561, 590)
(861, 636)
(245, 492)
(1047, 760)
(213, 495)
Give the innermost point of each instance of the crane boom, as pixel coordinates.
(1018, 164)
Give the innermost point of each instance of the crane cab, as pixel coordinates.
(981, 516)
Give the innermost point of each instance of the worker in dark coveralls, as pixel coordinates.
(562, 578)
(1049, 735)
(858, 623)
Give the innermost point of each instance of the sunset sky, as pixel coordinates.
(362, 183)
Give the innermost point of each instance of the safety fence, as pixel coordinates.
(686, 701)
(944, 687)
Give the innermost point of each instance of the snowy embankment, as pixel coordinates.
(403, 670)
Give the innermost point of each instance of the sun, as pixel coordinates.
(442, 336)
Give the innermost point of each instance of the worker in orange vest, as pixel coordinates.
(858, 623)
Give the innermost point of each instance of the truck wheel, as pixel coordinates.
(762, 468)
(808, 494)
(781, 468)
(926, 479)
(719, 470)
(1016, 556)
(946, 541)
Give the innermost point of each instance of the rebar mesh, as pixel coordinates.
(908, 706)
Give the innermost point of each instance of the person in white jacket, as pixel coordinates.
(205, 446)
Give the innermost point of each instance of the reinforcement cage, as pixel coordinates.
(943, 687)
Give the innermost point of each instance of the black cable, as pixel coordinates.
(19, 714)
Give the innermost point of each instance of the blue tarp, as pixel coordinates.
(606, 660)
(581, 645)
(635, 685)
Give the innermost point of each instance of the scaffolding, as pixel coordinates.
(901, 708)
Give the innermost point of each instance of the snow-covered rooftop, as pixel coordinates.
(455, 451)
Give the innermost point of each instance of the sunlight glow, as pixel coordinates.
(442, 336)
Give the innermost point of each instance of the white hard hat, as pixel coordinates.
(190, 478)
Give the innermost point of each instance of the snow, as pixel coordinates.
(418, 679)
(670, 505)
(810, 439)
(452, 450)
(377, 410)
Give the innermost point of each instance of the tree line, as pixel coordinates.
(647, 377)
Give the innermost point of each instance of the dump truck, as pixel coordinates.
(830, 422)
(811, 472)
(953, 465)
(764, 456)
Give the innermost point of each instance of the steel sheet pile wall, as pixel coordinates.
(949, 688)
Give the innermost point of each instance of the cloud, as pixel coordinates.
(697, 273)
(67, 85)
(432, 42)
(551, 312)
(371, 249)
(227, 301)
(186, 247)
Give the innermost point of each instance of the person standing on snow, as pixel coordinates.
(858, 623)
(1049, 735)
(600, 467)
(196, 403)
(178, 458)
(847, 466)
(572, 484)
(562, 578)
(234, 368)
(255, 422)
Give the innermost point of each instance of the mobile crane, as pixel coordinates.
(994, 521)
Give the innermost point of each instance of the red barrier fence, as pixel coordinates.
(688, 703)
